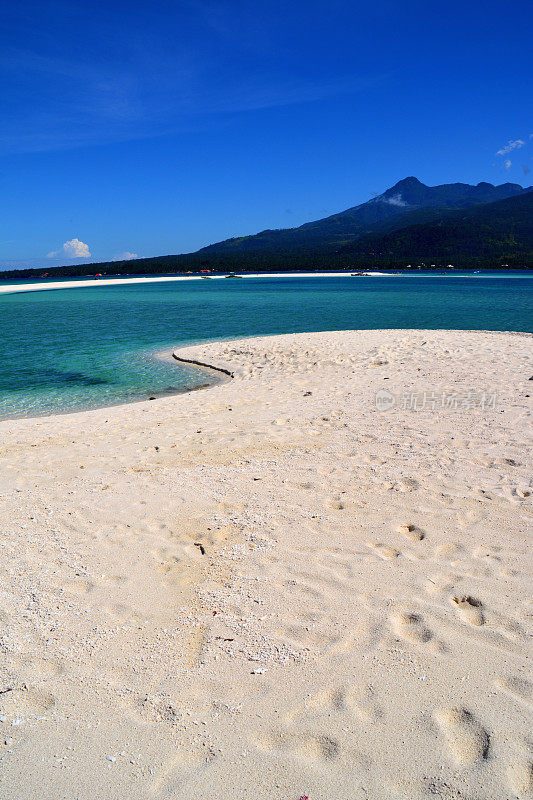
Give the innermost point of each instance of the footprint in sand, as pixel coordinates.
(449, 550)
(353, 699)
(356, 700)
(469, 609)
(317, 748)
(519, 687)
(309, 747)
(22, 701)
(407, 485)
(467, 739)
(148, 709)
(411, 626)
(483, 553)
(335, 504)
(411, 532)
(79, 586)
(384, 551)
(520, 778)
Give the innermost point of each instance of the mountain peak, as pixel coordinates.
(410, 181)
(407, 192)
(406, 183)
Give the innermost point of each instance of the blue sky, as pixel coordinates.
(153, 128)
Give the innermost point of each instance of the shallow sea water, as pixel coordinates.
(72, 349)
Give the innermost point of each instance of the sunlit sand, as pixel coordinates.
(272, 588)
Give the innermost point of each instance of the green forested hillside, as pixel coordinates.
(490, 234)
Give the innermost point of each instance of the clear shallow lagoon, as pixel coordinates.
(70, 349)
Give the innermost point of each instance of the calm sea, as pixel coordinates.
(72, 349)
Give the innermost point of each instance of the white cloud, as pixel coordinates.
(394, 200)
(73, 249)
(515, 144)
(77, 249)
(126, 256)
(507, 163)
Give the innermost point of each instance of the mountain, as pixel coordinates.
(387, 211)
(497, 233)
(482, 225)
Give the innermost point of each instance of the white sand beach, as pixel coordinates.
(43, 286)
(272, 589)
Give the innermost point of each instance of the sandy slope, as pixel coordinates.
(272, 589)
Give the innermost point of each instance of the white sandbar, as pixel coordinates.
(91, 282)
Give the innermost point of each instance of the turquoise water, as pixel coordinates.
(70, 349)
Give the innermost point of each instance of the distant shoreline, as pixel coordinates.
(114, 281)
(70, 284)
